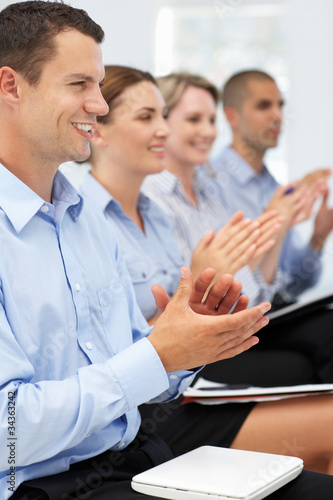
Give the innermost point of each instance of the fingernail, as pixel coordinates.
(182, 272)
(265, 309)
(264, 321)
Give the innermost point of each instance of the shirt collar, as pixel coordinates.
(20, 203)
(92, 188)
(243, 172)
(166, 181)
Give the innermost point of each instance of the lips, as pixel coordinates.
(158, 150)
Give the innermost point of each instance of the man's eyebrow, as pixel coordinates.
(147, 108)
(80, 76)
(266, 102)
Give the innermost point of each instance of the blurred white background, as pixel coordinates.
(291, 39)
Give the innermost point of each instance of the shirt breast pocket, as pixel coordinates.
(115, 316)
(141, 271)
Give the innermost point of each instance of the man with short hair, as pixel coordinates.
(253, 106)
(77, 357)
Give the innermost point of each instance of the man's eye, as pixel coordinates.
(264, 105)
(78, 83)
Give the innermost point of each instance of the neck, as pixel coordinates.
(39, 181)
(36, 172)
(251, 155)
(185, 174)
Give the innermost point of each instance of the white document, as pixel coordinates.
(323, 300)
(208, 392)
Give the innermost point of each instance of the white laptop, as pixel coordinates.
(213, 473)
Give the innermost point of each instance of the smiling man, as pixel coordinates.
(76, 355)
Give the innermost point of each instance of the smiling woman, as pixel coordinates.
(129, 144)
(192, 199)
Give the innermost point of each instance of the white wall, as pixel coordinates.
(130, 39)
(129, 27)
(309, 130)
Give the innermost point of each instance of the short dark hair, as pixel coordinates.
(117, 79)
(27, 31)
(236, 88)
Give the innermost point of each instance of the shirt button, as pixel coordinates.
(44, 208)
(77, 287)
(121, 445)
(89, 345)
(173, 377)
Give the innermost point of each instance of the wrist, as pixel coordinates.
(317, 242)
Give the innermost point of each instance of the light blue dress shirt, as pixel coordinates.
(73, 344)
(191, 223)
(151, 257)
(242, 188)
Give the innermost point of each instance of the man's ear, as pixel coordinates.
(9, 84)
(232, 116)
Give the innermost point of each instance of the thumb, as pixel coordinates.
(185, 287)
(205, 240)
(161, 299)
(325, 198)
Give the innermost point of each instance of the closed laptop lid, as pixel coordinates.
(211, 472)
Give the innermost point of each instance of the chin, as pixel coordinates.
(81, 156)
(203, 159)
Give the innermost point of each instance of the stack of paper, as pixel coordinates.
(212, 393)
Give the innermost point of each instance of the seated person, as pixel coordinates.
(253, 106)
(137, 109)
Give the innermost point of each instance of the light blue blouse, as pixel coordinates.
(191, 223)
(152, 257)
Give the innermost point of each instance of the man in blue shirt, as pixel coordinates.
(77, 357)
(253, 107)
